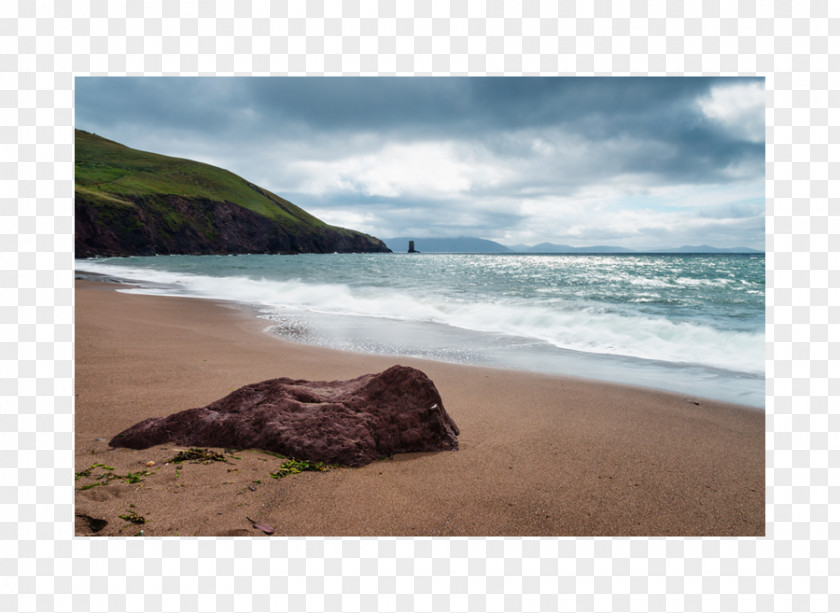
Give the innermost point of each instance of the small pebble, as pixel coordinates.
(150, 463)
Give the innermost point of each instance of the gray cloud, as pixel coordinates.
(512, 158)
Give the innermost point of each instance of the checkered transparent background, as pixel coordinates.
(43, 45)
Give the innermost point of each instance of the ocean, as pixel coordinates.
(691, 324)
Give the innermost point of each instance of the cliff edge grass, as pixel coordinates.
(130, 202)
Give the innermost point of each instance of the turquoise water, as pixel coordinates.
(687, 323)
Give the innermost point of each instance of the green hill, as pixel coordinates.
(131, 202)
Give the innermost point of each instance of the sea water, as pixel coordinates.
(692, 324)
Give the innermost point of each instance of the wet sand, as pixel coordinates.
(539, 455)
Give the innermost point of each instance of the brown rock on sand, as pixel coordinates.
(351, 422)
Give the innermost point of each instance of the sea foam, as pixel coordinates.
(565, 324)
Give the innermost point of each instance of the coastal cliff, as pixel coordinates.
(130, 202)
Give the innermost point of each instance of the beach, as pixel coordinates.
(540, 455)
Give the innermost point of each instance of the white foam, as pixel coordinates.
(562, 324)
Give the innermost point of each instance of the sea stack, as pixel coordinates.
(411, 248)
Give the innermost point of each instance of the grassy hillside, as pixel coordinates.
(112, 171)
(182, 206)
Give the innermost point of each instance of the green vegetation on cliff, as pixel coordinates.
(131, 202)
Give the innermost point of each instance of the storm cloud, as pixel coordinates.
(637, 162)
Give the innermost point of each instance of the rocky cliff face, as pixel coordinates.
(129, 202)
(201, 226)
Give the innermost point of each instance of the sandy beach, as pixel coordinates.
(539, 455)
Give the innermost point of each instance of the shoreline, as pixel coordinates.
(698, 381)
(540, 454)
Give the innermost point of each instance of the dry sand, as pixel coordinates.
(539, 455)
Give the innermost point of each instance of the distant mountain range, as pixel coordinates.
(466, 244)
(462, 244)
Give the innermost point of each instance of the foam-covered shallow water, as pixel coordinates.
(691, 324)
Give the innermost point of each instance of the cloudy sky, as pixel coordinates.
(643, 163)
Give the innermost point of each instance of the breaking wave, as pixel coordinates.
(566, 324)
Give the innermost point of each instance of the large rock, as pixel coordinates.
(343, 422)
